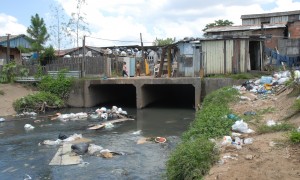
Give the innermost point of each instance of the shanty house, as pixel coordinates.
(15, 41)
(232, 54)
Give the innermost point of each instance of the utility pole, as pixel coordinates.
(8, 49)
(83, 58)
(142, 47)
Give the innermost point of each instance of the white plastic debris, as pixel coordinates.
(94, 149)
(2, 119)
(27, 177)
(282, 80)
(103, 109)
(28, 127)
(245, 98)
(226, 140)
(242, 127)
(271, 123)
(72, 116)
(234, 134)
(298, 130)
(52, 143)
(248, 141)
(297, 74)
(109, 125)
(73, 137)
(104, 116)
(137, 132)
(94, 116)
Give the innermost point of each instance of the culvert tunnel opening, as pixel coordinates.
(123, 95)
(169, 95)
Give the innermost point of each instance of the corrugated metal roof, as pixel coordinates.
(274, 14)
(244, 27)
(4, 38)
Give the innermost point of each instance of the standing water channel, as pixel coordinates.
(21, 154)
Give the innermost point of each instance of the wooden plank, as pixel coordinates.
(99, 126)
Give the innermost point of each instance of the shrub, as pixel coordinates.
(8, 73)
(60, 86)
(295, 136)
(192, 159)
(34, 102)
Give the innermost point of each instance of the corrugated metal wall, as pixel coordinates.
(280, 19)
(219, 56)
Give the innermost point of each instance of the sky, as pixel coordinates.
(124, 20)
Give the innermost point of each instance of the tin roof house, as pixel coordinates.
(15, 41)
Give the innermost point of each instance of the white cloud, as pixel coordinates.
(126, 19)
(10, 24)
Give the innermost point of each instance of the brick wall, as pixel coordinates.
(294, 29)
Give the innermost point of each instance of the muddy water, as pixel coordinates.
(20, 154)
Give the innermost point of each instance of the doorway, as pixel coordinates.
(255, 55)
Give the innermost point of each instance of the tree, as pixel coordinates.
(57, 27)
(163, 42)
(77, 22)
(38, 33)
(218, 23)
(47, 55)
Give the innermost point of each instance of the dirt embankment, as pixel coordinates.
(11, 92)
(270, 156)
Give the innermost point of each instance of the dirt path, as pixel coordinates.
(12, 92)
(270, 156)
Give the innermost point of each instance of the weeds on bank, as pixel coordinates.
(237, 76)
(295, 136)
(193, 158)
(276, 128)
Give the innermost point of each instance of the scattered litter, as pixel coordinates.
(62, 136)
(72, 116)
(52, 143)
(28, 127)
(137, 132)
(234, 134)
(245, 98)
(37, 121)
(249, 157)
(249, 113)
(27, 177)
(233, 117)
(272, 144)
(80, 148)
(226, 140)
(271, 123)
(298, 130)
(234, 157)
(106, 153)
(73, 137)
(248, 141)
(242, 127)
(94, 149)
(160, 139)
(2, 119)
(108, 125)
(83, 164)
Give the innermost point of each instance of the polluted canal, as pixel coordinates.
(23, 156)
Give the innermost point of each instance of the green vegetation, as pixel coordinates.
(164, 42)
(34, 102)
(295, 136)
(8, 73)
(276, 128)
(193, 158)
(1, 92)
(237, 76)
(60, 86)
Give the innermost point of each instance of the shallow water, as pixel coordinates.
(21, 154)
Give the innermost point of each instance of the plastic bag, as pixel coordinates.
(242, 127)
(80, 148)
(248, 141)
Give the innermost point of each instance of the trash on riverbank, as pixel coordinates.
(241, 126)
(80, 148)
(160, 139)
(71, 116)
(2, 119)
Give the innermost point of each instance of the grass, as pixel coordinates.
(295, 136)
(193, 158)
(255, 119)
(276, 128)
(238, 76)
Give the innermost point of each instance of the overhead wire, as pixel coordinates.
(116, 40)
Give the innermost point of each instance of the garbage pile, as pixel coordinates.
(109, 114)
(268, 84)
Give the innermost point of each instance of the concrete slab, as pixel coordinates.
(64, 156)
